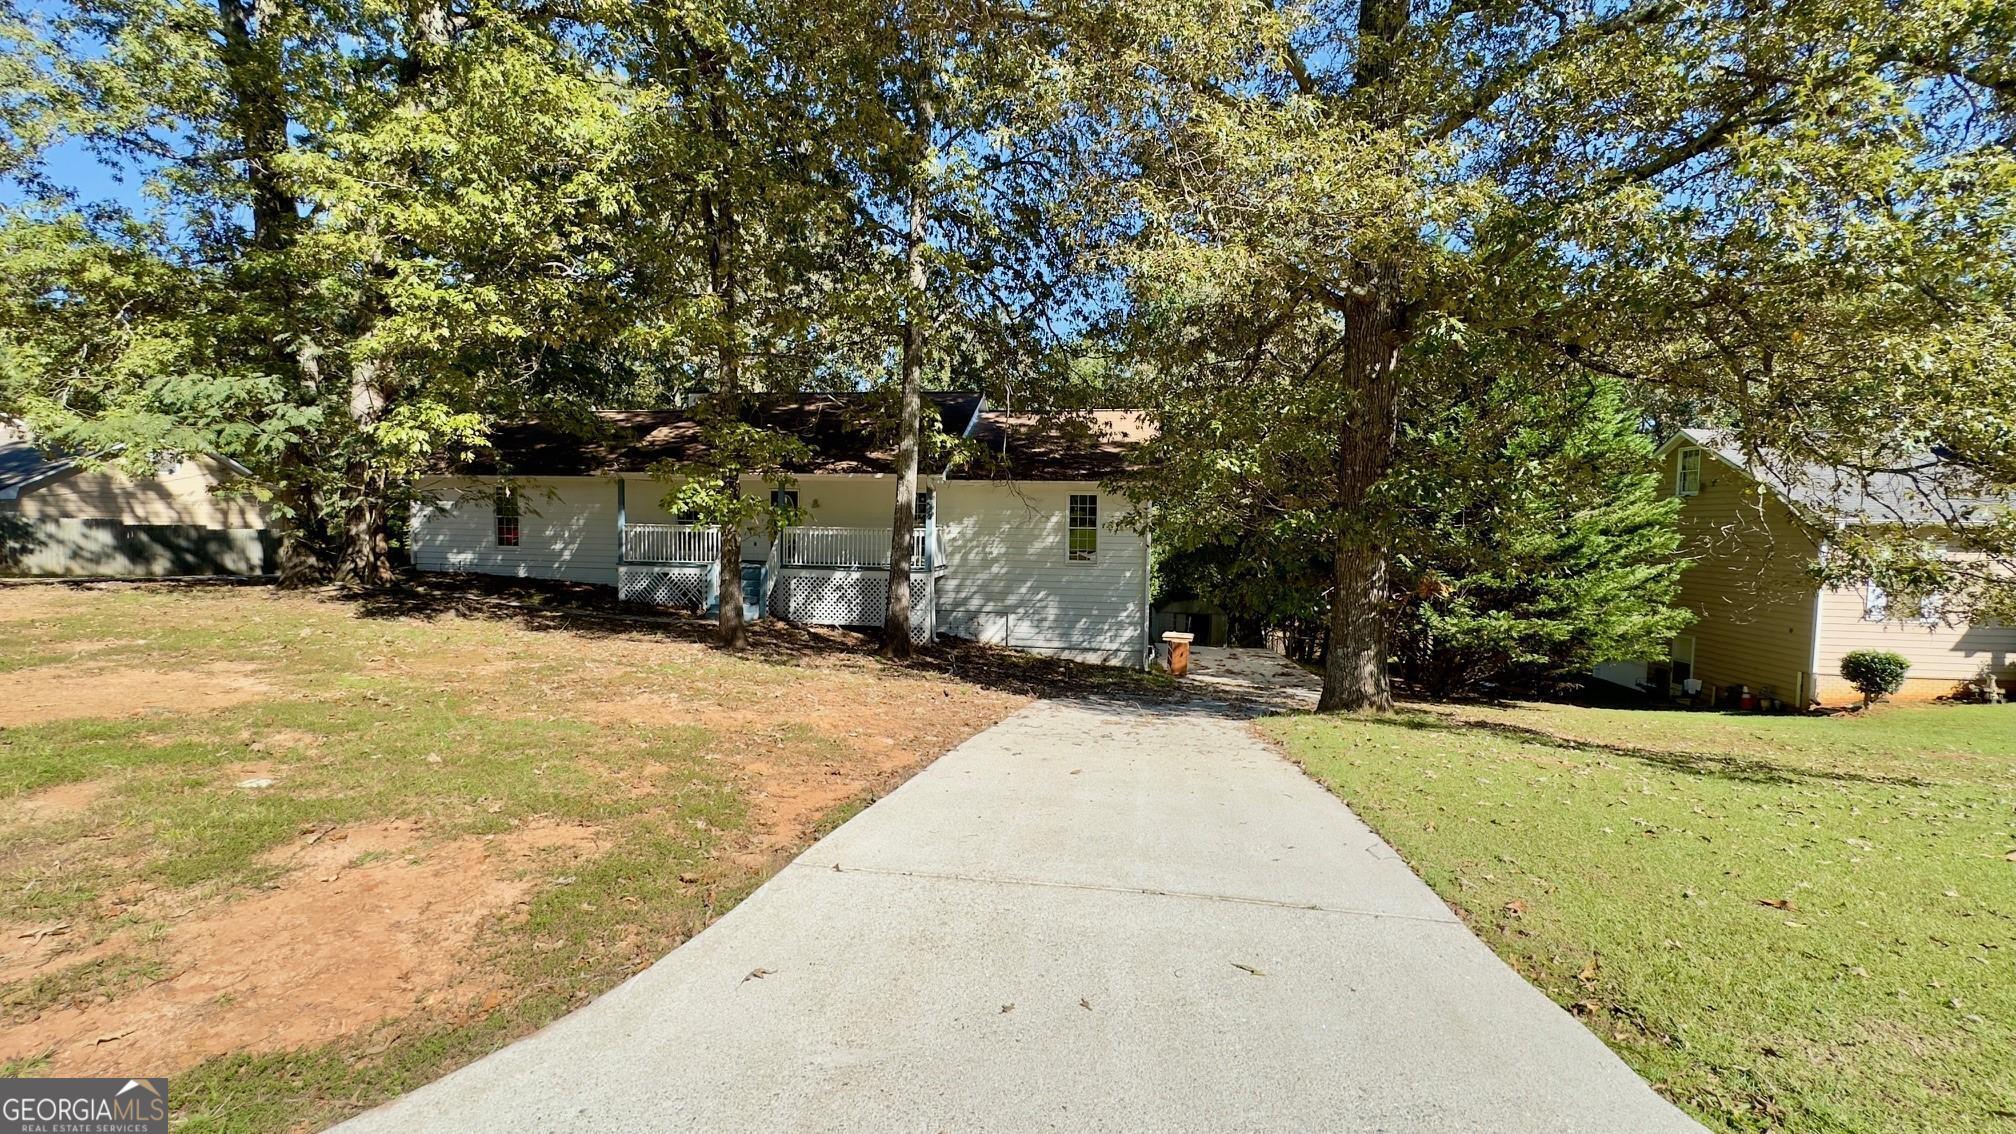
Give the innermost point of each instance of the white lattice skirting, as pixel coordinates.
(850, 598)
(688, 587)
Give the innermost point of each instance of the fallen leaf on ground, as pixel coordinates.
(1007, 1008)
(1085, 1004)
(1588, 973)
(1777, 903)
(1248, 968)
(47, 931)
(1516, 908)
(755, 974)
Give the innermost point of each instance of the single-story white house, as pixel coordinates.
(1754, 534)
(1018, 544)
(62, 514)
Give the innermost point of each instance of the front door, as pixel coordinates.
(752, 591)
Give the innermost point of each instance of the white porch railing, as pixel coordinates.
(670, 543)
(848, 547)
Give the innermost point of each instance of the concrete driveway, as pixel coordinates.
(1090, 917)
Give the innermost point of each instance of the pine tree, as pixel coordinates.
(1537, 539)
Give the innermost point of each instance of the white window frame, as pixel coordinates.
(1073, 553)
(1875, 602)
(503, 508)
(1682, 486)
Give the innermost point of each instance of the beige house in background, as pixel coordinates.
(60, 515)
(1762, 621)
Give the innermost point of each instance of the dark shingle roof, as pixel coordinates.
(840, 429)
(843, 432)
(1088, 445)
(21, 462)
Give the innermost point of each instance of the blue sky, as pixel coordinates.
(73, 166)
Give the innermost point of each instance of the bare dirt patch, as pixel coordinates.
(368, 924)
(23, 602)
(64, 801)
(805, 753)
(71, 692)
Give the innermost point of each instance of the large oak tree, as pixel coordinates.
(1796, 216)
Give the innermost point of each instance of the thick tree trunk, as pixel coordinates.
(896, 626)
(732, 630)
(302, 556)
(1354, 675)
(367, 550)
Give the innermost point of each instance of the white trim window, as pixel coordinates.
(1082, 533)
(1687, 478)
(505, 514)
(1875, 603)
(1931, 609)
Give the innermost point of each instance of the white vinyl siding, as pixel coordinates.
(1009, 578)
(1012, 582)
(566, 529)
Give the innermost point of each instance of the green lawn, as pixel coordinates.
(1783, 923)
(303, 853)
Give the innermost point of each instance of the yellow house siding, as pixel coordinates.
(181, 495)
(1942, 655)
(1748, 584)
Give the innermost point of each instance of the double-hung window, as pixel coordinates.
(1688, 481)
(1083, 532)
(506, 513)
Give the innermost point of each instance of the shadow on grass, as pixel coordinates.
(1740, 768)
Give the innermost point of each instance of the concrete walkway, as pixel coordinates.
(1260, 679)
(1090, 917)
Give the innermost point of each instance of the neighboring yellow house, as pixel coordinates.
(60, 516)
(1762, 621)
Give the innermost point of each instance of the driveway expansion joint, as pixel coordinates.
(1096, 887)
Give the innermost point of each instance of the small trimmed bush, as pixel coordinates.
(1877, 673)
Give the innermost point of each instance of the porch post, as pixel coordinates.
(622, 522)
(931, 568)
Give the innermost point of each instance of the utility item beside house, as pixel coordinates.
(63, 514)
(1019, 544)
(1764, 629)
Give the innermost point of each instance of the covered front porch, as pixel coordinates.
(818, 575)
